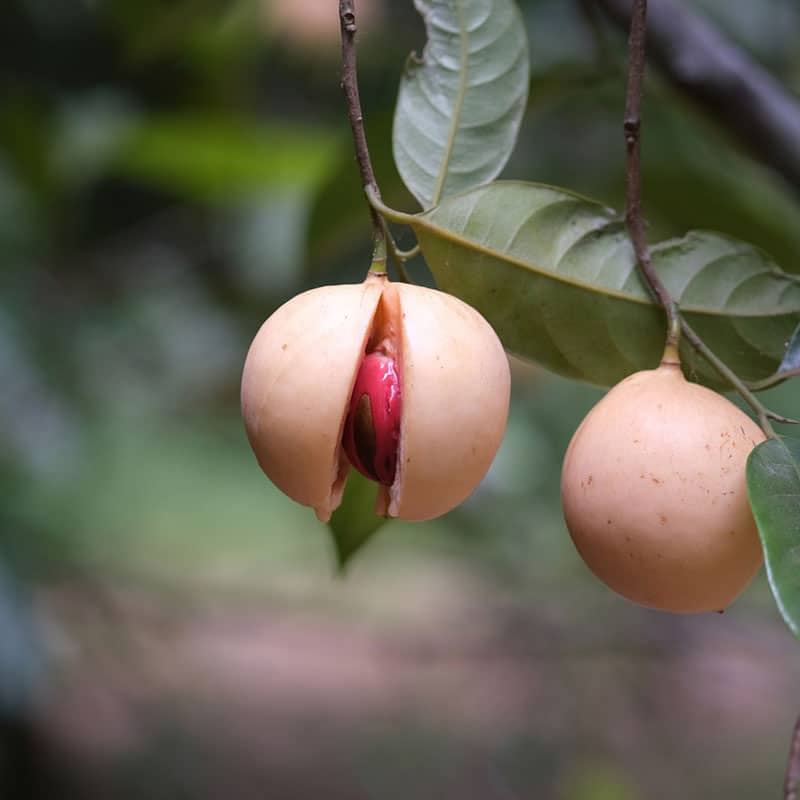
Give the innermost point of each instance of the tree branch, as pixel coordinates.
(751, 104)
(633, 219)
(633, 182)
(347, 24)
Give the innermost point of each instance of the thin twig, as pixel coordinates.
(347, 23)
(398, 256)
(387, 212)
(633, 218)
(764, 415)
(633, 180)
(773, 380)
(790, 784)
(407, 255)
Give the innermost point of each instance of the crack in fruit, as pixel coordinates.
(413, 395)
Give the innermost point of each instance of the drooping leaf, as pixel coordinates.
(555, 274)
(773, 483)
(355, 521)
(210, 158)
(460, 106)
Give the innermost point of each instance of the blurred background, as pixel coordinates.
(173, 627)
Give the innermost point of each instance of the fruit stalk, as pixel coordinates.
(348, 27)
(633, 183)
(633, 219)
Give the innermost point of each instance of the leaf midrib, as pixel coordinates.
(459, 104)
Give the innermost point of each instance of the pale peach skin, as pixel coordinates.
(654, 494)
(299, 376)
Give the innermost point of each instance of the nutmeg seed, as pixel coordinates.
(372, 427)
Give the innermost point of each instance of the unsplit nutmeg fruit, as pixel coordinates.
(654, 493)
(407, 384)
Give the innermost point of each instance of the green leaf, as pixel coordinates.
(555, 274)
(216, 159)
(773, 483)
(460, 106)
(355, 521)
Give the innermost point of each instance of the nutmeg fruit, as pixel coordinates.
(654, 493)
(407, 384)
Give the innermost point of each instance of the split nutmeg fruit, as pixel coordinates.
(407, 384)
(654, 493)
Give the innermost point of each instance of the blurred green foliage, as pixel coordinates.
(171, 173)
